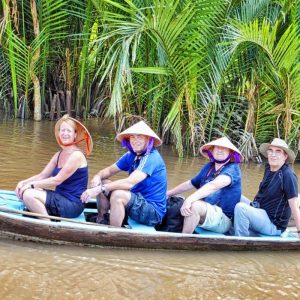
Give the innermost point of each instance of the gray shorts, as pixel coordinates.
(216, 220)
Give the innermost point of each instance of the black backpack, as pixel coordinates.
(173, 220)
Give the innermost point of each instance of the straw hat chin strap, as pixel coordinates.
(126, 144)
(85, 138)
(233, 155)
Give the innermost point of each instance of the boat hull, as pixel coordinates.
(19, 227)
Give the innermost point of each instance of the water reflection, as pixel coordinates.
(34, 271)
(27, 146)
(31, 271)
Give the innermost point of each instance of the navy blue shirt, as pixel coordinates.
(227, 197)
(274, 192)
(154, 187)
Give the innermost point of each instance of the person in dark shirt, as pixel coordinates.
(67, 172)
(218, 189)
(276, 199)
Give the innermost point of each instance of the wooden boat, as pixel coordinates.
(17, 224)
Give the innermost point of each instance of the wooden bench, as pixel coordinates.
(131, 223)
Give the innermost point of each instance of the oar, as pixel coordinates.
(27, 213)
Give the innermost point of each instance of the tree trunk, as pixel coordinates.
(58, 107)
(68, 102)
(53, 106)
(37, 97)
(35, 58)
(68, 83)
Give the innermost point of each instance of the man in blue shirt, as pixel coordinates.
(142, 195)
(277, 197)
(218, 187)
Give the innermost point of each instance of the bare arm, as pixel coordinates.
(181, 188)
(46, 172)
(104, 174)
(294, 205)
(75, 160)
(126, 183)
(121, 184)
(213, 186)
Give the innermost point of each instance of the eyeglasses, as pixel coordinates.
(276, 152)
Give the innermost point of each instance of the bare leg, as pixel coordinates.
(102, 206)
(118, 201)
(35, 201)
(199, 209)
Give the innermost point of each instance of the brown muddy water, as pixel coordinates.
(40, 271)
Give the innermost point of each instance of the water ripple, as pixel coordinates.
(33, 271)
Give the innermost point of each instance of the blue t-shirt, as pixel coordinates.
(74, 186)
(227, 197)
(274, 192)
(154, 187)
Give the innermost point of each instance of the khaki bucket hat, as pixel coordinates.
(280, 144)
(139, 128)
(83, 138)
(221, 142)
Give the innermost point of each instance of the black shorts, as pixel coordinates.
(60, 206)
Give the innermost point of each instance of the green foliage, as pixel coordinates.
(194, 69)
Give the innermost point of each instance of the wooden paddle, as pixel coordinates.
(31, 214)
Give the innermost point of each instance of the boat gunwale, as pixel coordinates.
(95, 235)
(66, 232)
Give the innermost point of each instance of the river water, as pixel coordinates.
(40, 271)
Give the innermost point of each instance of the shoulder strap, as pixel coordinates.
(61, 152)
(58, 158)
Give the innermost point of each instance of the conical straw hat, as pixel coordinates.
(221, 142)
(83, 138)
(139, 128)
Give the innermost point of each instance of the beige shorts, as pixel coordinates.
(216, 220)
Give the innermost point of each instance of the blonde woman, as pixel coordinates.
(66, 172)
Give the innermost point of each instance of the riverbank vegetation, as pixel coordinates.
(194, 69)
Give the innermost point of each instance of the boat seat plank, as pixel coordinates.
(18, 206)
(131, 223)
(80, 218)
(202, 231)
(93, 201)
(91, 210)
(275, 237)
(141, 227)
(15, 205)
